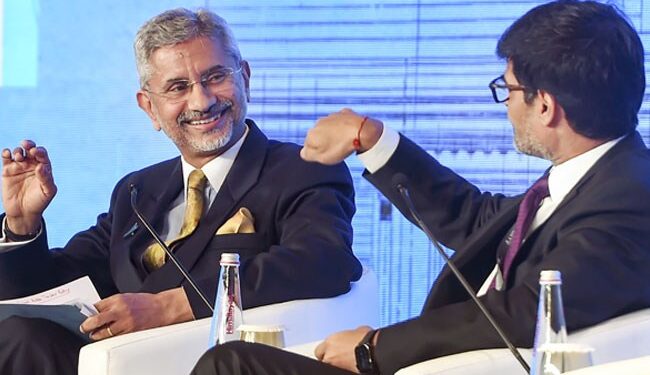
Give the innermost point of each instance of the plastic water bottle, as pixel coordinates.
(550, 329)
(227, 316)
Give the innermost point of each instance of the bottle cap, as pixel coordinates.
(229, 258)
(550, 277)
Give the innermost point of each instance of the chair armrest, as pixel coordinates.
(617, 339)
(175, 349)
(477, 362)
(637, 366)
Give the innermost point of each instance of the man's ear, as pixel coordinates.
(246, 74)
(144, 102)
(548, 108)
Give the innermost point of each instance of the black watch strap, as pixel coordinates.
(364, 354)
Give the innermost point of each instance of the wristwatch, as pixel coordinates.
(365, 354)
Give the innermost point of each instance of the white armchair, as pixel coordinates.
(617, 339)
(175, 349)
(636, 366)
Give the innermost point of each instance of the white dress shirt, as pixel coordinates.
(216, 171)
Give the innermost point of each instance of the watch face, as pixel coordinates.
(364, 360)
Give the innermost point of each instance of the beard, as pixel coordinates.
(527, 144)
(213, 140)
(208, 143)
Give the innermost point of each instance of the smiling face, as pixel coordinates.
(210, 118)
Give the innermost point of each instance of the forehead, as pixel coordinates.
(185, 59)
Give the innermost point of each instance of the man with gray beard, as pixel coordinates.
(230, 190)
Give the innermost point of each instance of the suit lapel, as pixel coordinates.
(474, 260)
(242, 176)
(153, 203)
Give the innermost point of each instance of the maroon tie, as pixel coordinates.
(527, 210)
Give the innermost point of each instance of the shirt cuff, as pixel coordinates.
(6, 246)
(379, 154)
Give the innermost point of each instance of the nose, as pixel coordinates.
(200, 98)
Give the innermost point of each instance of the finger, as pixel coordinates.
(27, 144)
(107, 303)
(102, 333)
(44, 175)
(319, 352)
(40, 154)
(6, 156)
(19, 154)
(120, 327)
(96, 321)
(305, 154)
(90, 324)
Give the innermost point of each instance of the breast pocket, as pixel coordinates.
(246, 245)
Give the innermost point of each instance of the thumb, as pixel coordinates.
(304, 154)
(44, 176)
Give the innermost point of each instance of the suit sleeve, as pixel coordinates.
(450, 205)
(34, 267)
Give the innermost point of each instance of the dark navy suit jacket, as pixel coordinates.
(598, 237)
(301, 248)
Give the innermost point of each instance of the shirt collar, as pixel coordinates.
(563, 177)
(216, 169)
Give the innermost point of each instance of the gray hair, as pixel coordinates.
(178, 26)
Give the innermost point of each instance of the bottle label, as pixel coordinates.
(230, 315)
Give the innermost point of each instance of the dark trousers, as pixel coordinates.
(242, 358)
(30, 346)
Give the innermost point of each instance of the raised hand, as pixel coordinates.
(330, 141)
(130, 312)
(27, 186)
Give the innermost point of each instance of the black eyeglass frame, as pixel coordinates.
(496, 85)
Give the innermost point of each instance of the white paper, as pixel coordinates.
(80, 293)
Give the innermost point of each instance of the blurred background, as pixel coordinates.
(68, 81)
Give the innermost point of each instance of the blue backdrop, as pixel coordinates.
(68, 81)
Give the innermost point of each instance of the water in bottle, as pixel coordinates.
(227, 316)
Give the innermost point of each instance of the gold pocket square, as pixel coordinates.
(241, 222)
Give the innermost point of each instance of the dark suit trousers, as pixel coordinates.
(30, 346)
(241, 358)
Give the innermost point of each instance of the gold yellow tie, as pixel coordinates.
(154, 255)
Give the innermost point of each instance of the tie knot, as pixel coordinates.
(540, 187)
(196, 180)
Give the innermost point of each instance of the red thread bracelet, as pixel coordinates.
(357, 141)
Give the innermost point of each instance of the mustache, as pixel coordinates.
(214, 110)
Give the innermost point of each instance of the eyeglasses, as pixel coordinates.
(501, 89)
(179, 91)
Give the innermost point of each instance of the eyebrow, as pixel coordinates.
(206, 72)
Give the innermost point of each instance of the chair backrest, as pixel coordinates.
(175, 349)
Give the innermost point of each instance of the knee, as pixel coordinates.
(226, 358)
(228, 351)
